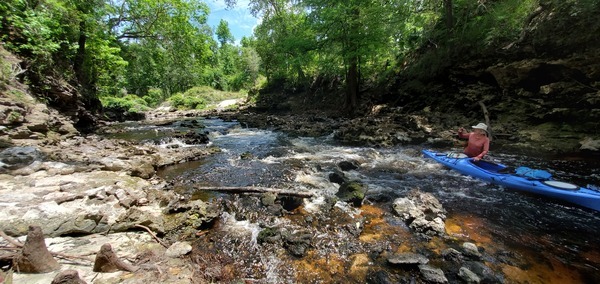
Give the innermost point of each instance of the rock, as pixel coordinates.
(347, 165)
(142, 168)
(432, 275)
(408, 258)
(297, 243)
(483, 272)
(178, 249)
(268, 198)
(70, 276)
(268, 235)
(468, 276)
(38, 118)
(17, 157)
(453, 255)
(422, 212)
(471, 250)
(338, 177)
(379, 277)
(352, 192)
(35, 257)
(590, 144)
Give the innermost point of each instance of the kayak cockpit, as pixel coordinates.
(488, 166)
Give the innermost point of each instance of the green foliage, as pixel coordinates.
(224, 34)
(486, 25)
(154, 97)
(200, 97)
(130, 103)
(181, 101)
(14, 117)
(479, 27)
(6, 73)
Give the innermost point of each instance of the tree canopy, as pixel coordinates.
(156, 48)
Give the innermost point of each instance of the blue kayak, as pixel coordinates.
(499, 174)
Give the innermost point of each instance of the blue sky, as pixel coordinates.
(241, 22)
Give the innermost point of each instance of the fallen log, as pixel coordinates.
(255, 189)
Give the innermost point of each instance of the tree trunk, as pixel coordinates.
(352, 85)
(449, 14)
(78, 64)
(35, 257)
(352, 75)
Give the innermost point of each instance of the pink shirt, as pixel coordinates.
(478, 145)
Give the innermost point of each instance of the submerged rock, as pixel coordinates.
(352, 192)
(408, 258)
(432, 274)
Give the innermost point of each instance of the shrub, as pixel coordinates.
(154, 97)
(129, 103)
(182, 101)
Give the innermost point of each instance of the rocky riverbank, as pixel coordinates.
(86, 191)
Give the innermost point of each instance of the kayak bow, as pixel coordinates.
(499, 174)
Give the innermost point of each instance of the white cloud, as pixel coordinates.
(241, 22)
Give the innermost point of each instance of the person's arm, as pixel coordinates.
(486, 149)
(462, 134)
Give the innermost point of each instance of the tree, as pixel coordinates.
(224, 34)
(170, 39)
(354, 31)
(55, 37)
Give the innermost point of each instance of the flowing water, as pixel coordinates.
(525, 238)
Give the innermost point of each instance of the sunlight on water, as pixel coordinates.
(174, 143)
(316, 181)
(471, 227)
(242, 228)
(314, 205)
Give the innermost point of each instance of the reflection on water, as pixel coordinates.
(530, 239)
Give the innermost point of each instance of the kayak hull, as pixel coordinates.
(493, 173)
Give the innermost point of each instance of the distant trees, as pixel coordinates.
(156, 48)
(148, 48)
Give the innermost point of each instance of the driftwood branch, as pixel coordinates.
(11, 240)
(486, 114)
(255, 189)
(152, 234)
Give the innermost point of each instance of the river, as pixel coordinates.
(524, 238)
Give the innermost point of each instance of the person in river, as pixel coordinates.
(479, 142)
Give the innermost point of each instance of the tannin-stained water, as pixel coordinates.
(526, 238)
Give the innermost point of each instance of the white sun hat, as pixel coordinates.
(482, 126)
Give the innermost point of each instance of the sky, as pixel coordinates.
(241, 22)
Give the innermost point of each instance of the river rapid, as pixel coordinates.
(523, 238)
